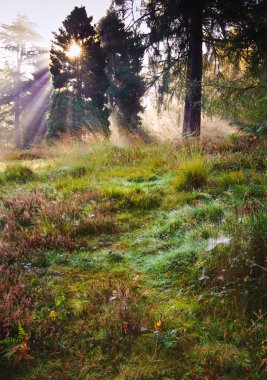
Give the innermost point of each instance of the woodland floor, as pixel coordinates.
(134, 263)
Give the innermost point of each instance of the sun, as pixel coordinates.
(74, 50)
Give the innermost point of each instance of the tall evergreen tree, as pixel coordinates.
(240, 76)
(125, 53)
(77, 67)
(177, 31)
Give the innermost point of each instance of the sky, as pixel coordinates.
(49, 14)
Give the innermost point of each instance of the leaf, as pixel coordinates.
(21, 333)
(59, 300)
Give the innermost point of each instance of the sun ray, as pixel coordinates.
(35, 106)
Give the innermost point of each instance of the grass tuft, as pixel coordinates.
(192, 174)
(227, 180)
(19, 173)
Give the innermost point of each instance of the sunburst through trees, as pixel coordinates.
(79, 79)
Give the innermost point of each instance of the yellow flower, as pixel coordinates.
(158, 324)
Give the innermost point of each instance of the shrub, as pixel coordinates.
(258, 129)
(192, 174)
(19, 173)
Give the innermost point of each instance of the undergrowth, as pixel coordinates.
(147, 262)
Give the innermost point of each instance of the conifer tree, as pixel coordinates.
(124, 53)
(77, 67)
(177, 31)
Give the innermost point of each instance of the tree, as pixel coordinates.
(177, 27)
(19, 39)
(77, 68)
(237, 88)
(124, 53)
(70, 115)
(177, 30)
(248, 37)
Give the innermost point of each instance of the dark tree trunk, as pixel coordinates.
(192, 110)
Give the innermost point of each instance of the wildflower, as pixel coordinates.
(158, 325)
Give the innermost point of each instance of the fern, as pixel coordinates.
(21, 333)
(11, 344)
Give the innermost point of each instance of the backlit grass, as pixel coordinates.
(147, 262)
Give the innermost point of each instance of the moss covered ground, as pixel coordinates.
(147, 262)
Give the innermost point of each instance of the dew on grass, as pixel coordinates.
(212, 243)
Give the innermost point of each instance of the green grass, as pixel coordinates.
(192, 174)
(18, 173)
(230, 179)
(106, 263)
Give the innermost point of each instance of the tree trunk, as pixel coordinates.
(192, 109)
(17, 111)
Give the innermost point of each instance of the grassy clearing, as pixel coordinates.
(147, 262)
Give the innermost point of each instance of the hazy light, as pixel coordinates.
(41, 91)
(74, 50)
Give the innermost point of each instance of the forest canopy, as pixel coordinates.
(205, 54)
